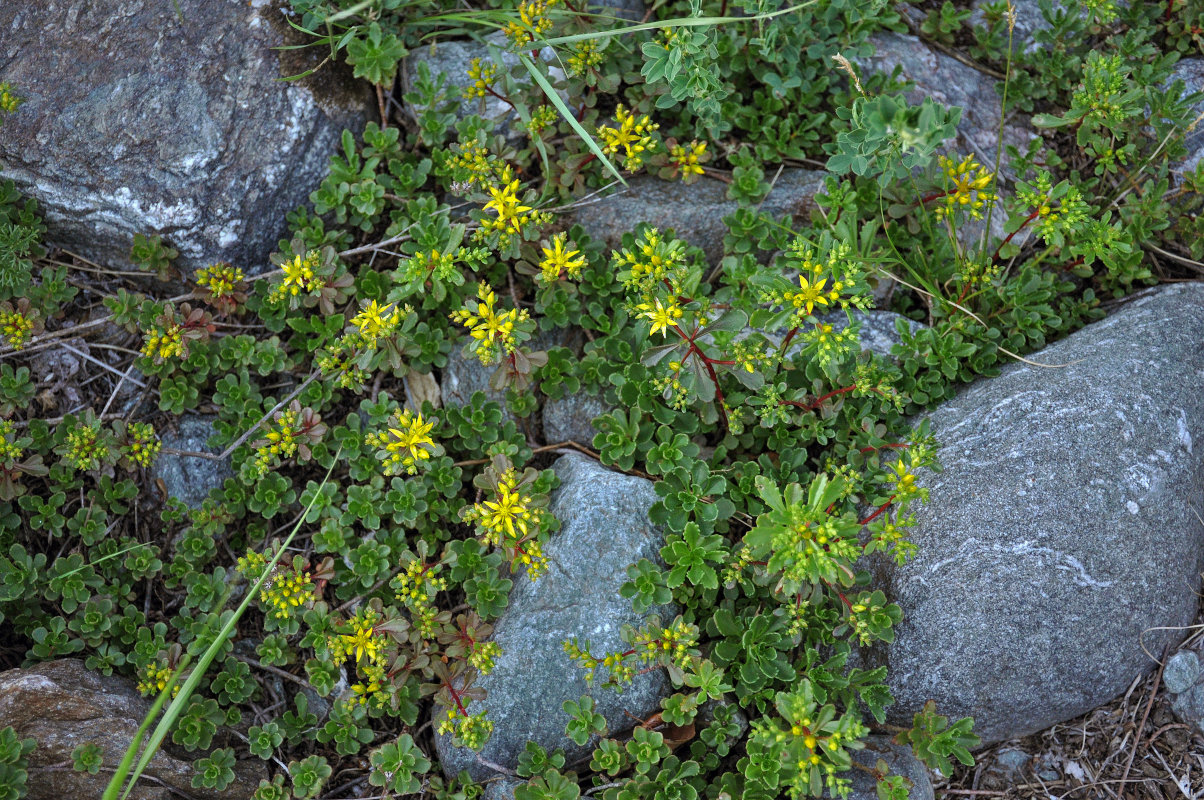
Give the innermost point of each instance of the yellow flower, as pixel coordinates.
(493, 330)
(8, 100)
(971, 186)
(482, 76)
(688, 159)
(16, 328)
(154, 680)
(510, 520)
(298, 276)
(663, 317)
(560, 261)
(406, 443)
(220, 279)
(505, 203)
(286, 591)
(808, 295)
(375, 321)
(361, 640)
(162, 344)
(532, 21)
(10, 451)
(585, 56)
(632, 136)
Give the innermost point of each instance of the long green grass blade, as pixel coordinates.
(127, 760)
(680, 22)
(176, 708)
(568, 115)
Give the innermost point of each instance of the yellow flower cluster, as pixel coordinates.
(542, 118)
(10, 451)
(299, 276)
(375, 321)
(481, 75)
(279, 442)
(473, 160)
(471, 730)
(483, 656)
(585, 56)
(663, 316)
(405, 444)
(630, 134)
(141, 446)
(688, 158)
(417, 588)
(162, 344)
(16, 328)
(970, 184)
(493, 330)
(512, 216)
(532, 22)
(652, 261)
(560, 261)
(371, 690)
(154, 680)
(221, 280)
(285, 591)
(8, 100)
(429, 263)
(358, 638)
(510, 521)
(672, 643)
(85, 449)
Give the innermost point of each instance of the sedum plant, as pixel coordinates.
(329, 606)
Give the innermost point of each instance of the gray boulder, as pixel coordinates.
(899, 761)
(169, 118)
(694, 212)
(1061, 534)
(189, 478)
(569, 419)
(62, 705)
(604, 528)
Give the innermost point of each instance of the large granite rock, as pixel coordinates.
(604, 528)
(1062, 533)
(694, 212)
(169, 118)
(63, 705)
(189, 478)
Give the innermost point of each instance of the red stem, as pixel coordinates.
(1012, 235)
(455, 697)
(877, 513)
(884, 447)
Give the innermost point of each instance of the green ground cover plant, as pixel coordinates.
(364, 537)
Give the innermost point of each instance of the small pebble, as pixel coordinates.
(1182, 671)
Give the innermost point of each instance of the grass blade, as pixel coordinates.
(568, 115)
(176, 708)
